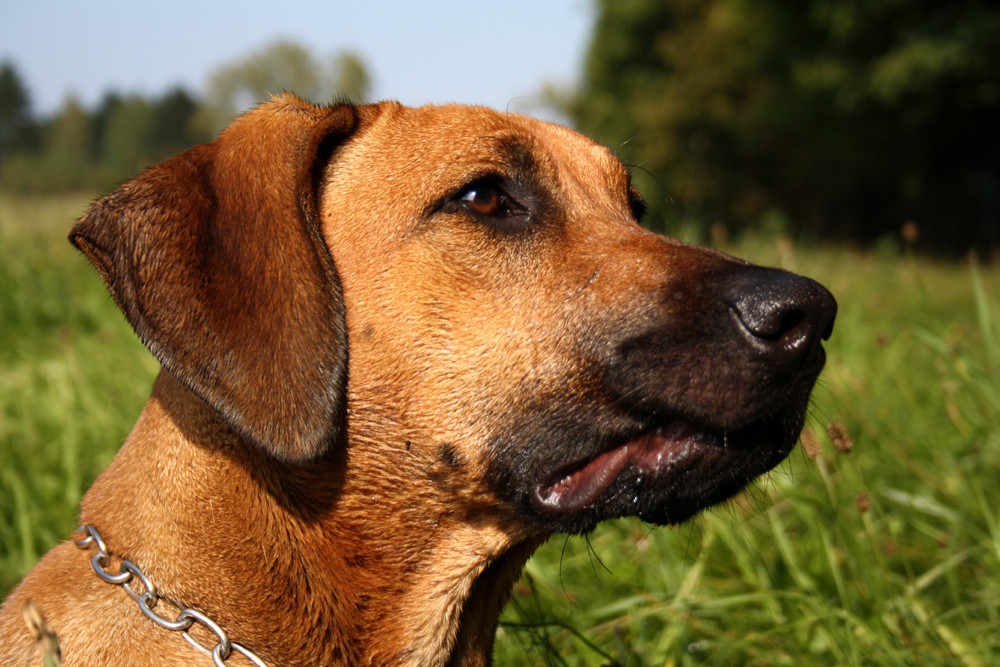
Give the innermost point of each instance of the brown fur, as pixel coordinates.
(363, 382)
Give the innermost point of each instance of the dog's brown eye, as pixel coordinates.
(483, 199)
(487, 199)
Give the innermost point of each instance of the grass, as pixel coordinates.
(880, 546)
(73, 379)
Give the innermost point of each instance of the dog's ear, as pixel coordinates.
(217, 260)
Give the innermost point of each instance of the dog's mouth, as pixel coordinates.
(579, 484)
(667, 473)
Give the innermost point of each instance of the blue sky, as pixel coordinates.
(493, 53)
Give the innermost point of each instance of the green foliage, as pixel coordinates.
(73, 378)
(847, 118)
(279, 67)
(84, 151)
(881, 548)
(81, 150)
(15, 111)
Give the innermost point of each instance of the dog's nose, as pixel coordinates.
(783, 316)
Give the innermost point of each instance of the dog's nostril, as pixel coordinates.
(770, 320)
(785, 315)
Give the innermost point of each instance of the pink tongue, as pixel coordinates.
(651, 453)
(582, 487)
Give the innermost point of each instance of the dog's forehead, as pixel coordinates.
(454, 139)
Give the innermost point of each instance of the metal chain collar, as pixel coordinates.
(148, 599)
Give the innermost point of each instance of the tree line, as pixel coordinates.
(90, 150)
(833, 119)
(827, 119)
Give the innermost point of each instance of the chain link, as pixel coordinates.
(129, 575)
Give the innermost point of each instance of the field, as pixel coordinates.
(876, 543)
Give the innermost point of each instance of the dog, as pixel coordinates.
(400, 348)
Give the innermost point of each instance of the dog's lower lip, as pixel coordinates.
(578, 486)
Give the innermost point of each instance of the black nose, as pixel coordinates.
(783, 316)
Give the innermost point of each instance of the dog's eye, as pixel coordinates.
(483, 199)
(487, 199)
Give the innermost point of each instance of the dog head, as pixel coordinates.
(467, 289)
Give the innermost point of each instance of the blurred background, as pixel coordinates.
(855, 142)
(93, 92)
(829, 119)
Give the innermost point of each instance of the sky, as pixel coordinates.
(495, 53)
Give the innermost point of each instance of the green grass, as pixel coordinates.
(73, 379)
(886, 554)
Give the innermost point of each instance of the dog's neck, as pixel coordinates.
(307, 564)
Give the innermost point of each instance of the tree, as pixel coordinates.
(844, 118)
(15, 111)
(173, 126)
(279, 67)
(131, 133)
(350, 78)
(126, 140)
(65, 161)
